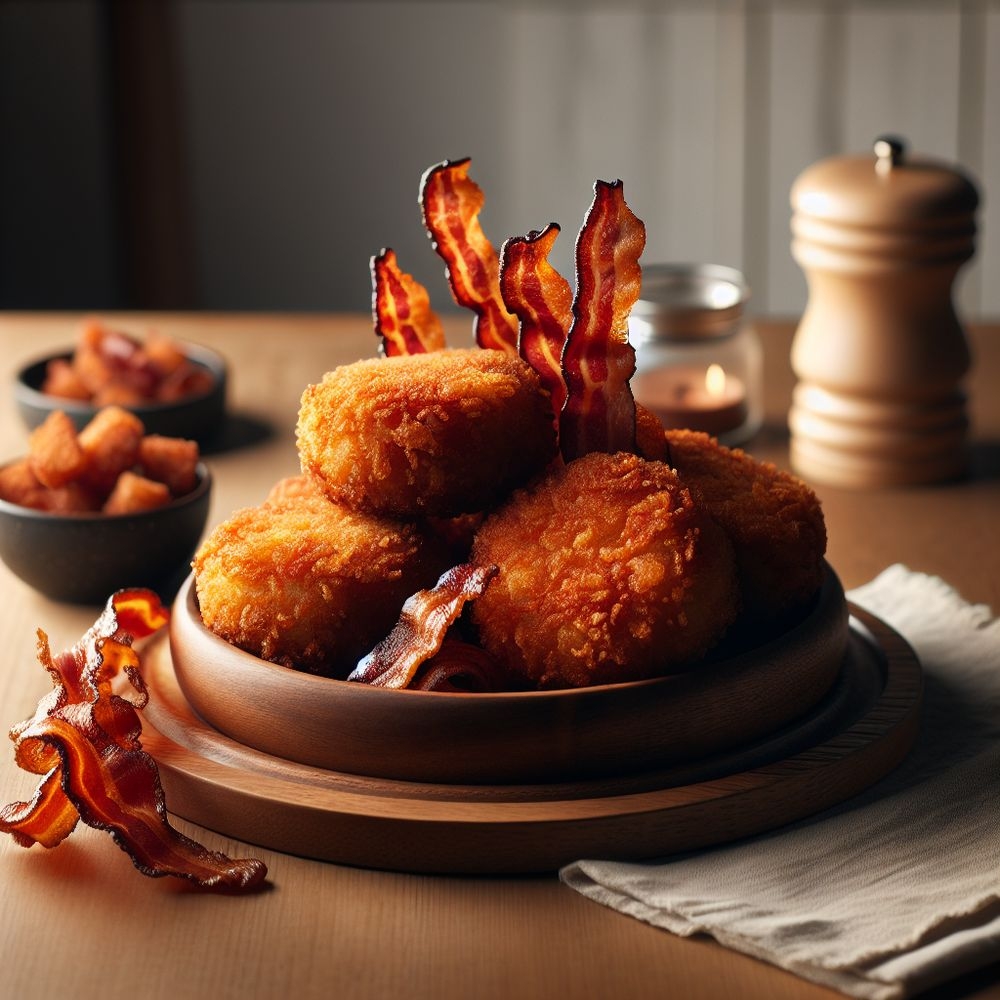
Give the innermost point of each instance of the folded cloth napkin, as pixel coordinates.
(893, 891)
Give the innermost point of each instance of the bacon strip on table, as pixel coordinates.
(451, 202)
(542, 300)
(598, 361)
(84, 738)
(423, 624)
(401, 309)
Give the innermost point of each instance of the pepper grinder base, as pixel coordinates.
(861, 443)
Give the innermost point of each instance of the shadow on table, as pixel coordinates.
(238, 431)
(984, 461)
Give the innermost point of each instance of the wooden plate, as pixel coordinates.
(525, 737)
(857, 733)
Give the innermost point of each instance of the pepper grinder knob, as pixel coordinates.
(889, 152)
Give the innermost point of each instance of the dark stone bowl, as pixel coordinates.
(84, 558)
(198, 418)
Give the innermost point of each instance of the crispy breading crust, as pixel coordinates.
(609, 572)
(444, 433)
(310, 584)
(774, 520)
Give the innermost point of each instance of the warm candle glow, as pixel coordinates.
(715, 380)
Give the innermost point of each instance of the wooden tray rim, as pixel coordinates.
(403, 826)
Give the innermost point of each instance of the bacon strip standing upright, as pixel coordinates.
(401, 309)
(84, 740)
(542, 300)
(598, 361)
(451, 202)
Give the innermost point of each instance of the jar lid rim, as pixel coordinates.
(680, 288)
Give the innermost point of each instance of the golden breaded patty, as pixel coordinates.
(608, 571)
(773, 519)
(444, 433)
(650, 440)
(310, 584)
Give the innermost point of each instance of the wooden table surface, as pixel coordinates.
(80, 921)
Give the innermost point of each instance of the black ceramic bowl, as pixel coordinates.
(197, 417)
(84, 558)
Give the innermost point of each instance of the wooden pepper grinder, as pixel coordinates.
(880, 353)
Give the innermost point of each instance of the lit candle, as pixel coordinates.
(693, 398)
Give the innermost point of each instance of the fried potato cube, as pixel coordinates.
(73, 498)
(89, 364)
(61, 379)
(54, 452)
(165, 352)
(18, 484)
(119, 394)
(111, 444)
(133, 492)
(172, 461)
(190, 380)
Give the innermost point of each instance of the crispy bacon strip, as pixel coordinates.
(460, 667)
(84, 739)
(598, 360)
(401, 309)
(116, 787)
(451, 202)
(542, 300)
(423, 623)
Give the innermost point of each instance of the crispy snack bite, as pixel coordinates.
(773, 519)
(608, 572)
(112, 367)
(20, 485)
(133, 493)
(54, 452)
(109, 466)
(444, 433)
(308, 583)
(169, 460)
(110, 444)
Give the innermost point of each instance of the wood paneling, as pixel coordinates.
(706, 111)
(306, 127)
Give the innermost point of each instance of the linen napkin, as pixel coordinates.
(893, 891)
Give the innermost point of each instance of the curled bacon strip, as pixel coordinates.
(451, 202)
(423, 623)
(84, 740)
(461, 667)
(401, 309)
(598, 361)
(542, 300)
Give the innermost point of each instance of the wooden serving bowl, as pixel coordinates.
(524, 737)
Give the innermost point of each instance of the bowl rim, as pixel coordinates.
(185, 603)
(202, 487)
(205, 357)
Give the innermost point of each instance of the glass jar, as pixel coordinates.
(698, 361)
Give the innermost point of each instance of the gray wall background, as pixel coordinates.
(302, 129)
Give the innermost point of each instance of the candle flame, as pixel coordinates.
(715, 380)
